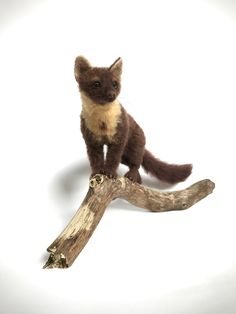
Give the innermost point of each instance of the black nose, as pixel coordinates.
(111, 96)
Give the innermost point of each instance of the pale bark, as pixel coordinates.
(67, 246)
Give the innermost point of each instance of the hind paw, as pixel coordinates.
(134, 176)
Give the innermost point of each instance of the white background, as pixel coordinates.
(179, 83)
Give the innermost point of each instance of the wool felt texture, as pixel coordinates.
(104, 121)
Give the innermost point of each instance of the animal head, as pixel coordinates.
(100, 84)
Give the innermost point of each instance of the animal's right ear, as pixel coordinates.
(81, 65)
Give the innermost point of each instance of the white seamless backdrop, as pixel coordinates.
(179, 84)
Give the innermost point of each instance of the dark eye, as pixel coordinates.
(115, 84)
(96, 84)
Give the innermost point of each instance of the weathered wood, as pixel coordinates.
(67, 246)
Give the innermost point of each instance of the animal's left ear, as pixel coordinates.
(116, 67)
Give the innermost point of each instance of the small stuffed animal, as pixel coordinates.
(104, 121)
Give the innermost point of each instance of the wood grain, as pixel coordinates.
(102, 190)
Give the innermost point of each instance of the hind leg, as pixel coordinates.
(134, 151)
(133, 158)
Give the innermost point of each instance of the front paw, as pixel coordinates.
(110, 174)
(98, 171)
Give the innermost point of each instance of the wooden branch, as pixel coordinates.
(67, 246)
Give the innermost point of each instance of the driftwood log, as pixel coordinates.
(102, 190)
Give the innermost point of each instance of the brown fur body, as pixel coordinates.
(105, 122)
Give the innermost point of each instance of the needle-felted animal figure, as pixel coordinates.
(104, 121)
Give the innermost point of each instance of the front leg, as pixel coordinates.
(113, 159)
(96, 158)
(94, 149)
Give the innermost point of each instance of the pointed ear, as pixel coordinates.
(81, 65)
(116, 67)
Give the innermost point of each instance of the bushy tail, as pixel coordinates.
(166, 172)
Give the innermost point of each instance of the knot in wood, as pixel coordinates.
(96, 180)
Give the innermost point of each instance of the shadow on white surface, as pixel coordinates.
(68, 183)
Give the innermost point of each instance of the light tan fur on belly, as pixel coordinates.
(96, 116)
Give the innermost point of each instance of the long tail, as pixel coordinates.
(166, 172)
